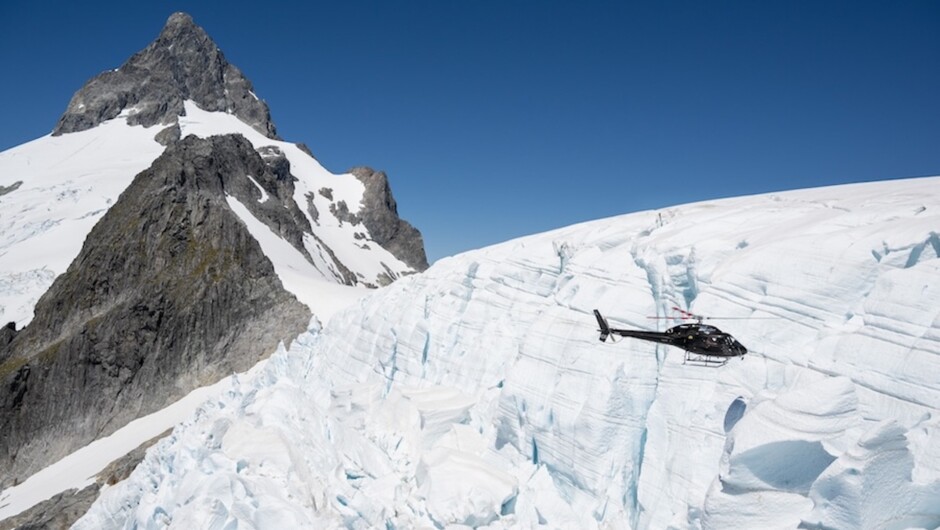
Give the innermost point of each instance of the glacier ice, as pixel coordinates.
(477, 394)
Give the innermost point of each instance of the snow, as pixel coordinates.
(264, 194)
(351, 244)
(298, 276)
(78, 469)
(477, 393)
(64, 185)
(67, 183)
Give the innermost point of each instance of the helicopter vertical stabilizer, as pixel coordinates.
(604, 328)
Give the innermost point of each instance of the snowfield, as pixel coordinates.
(477, 394)
(54, 189)
(58, 188)
(323, 191)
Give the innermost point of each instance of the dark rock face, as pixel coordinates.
(59, 512)
(11, 188)
(170, 292)
(379, 214)
(182, 63)
(62, 510)
(168, 135)
(6, 335)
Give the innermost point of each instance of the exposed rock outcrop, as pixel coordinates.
(62, 510)
(56, 513)
(6, 336)
(170, 292)
(379, 214)
(182, 63)
(11, 188)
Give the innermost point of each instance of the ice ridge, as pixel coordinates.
(477, 393)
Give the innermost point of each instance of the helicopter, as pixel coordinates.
(703, 344)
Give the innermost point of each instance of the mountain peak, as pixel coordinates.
(181, 28)
(182, 63)
(179, 19)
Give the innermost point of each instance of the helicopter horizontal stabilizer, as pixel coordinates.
(604, 328)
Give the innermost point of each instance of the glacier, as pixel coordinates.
(476, 394)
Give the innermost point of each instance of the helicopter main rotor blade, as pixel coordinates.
(687, 315)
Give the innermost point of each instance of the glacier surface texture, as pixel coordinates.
(477, 393)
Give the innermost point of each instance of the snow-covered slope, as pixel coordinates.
(334, 243)
(58, 187)
(478, 394)
(54, 189)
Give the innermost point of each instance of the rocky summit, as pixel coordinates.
(183, 63)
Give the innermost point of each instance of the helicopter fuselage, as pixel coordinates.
(700, 339)
(697, 338)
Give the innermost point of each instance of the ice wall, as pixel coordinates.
(478, 394)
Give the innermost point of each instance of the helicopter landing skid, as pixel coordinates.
(697, 359)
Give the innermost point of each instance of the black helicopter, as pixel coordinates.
(703, 344)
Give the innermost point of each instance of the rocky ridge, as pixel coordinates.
(170, 292)
(380, 217)
(183, 63)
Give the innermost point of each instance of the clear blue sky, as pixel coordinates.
(496, 119)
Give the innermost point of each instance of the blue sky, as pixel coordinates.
(497, 119)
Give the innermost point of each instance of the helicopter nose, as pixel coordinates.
(740, 349)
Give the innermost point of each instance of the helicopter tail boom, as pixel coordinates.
(602, 323)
